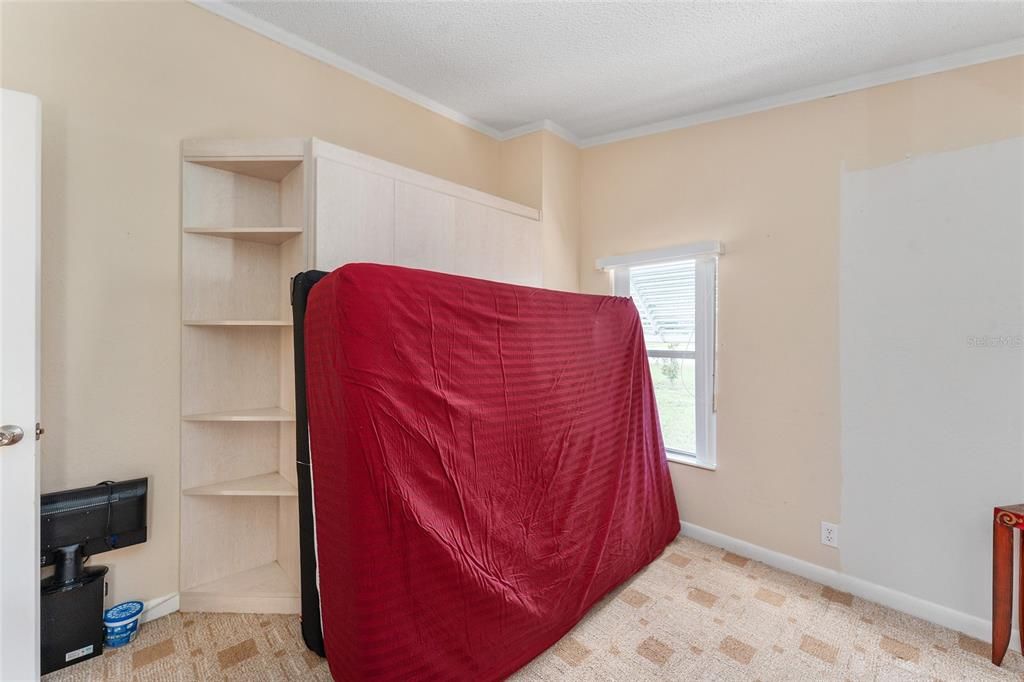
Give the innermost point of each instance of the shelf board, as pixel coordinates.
(263, 235)
(257, 414)
(268, 580)
(264, 589)
(237, 323)
(264, 485)
(265, 168)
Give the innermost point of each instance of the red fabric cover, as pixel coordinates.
(487, 464)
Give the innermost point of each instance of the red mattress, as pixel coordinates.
(487, 464)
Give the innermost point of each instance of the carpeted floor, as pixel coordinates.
(697, 613)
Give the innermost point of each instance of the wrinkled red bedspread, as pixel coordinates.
(487, 464)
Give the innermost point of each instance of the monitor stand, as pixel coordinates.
(68, 566)
(71, 611)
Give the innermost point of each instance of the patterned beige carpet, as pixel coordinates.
(697, 613)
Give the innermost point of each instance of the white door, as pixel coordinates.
(19, 385)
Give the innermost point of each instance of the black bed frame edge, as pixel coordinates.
(312, 632)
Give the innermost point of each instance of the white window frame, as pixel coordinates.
(705, 255)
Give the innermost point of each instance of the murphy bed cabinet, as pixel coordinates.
(254, 213)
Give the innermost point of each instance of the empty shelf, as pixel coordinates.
(263, 167)
(271, 485)
(264, 589)
(238, 323)
(264, 235)
(257, 414)
(268, 580)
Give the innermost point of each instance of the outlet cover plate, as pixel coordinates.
(829, 534)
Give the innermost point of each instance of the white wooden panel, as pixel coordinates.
(230, 279)
(478, 241)
(325, 150)
(272, 484)
(522, 261)
(355, 216)
(293, 210)
(219, 198)
(223, 451)
(20, 188)
(262, 235)
(493, 244)
(254, 167)
(248, 148)
(436, 231)
(374, 211)
(234, 438)
(424, 228)
(288, 537)
(252, 414)
(226, 368)
(263, 589)
(226, 534)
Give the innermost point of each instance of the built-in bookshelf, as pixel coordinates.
(243, 237)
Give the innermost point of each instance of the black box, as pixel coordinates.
(71, 618)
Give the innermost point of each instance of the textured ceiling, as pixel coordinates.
(598, 68)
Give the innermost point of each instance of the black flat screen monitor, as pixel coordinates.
(92, 520)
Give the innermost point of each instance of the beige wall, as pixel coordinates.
(767, 185)
(520, 171)
(543, 170)
(561, 212)
(121, 85)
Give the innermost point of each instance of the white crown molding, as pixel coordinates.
(537, 126)
(978, 55)
(299, 44)
(976, 627)
(987, 53)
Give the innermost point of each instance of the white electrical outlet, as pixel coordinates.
(829, 534)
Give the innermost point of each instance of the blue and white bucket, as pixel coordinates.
(122, 623)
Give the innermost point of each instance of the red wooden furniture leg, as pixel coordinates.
(1002, 589)
(1020, 589)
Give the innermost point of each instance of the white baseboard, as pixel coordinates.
(158, 607)
(976, 627)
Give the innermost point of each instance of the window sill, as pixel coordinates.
(690, 462)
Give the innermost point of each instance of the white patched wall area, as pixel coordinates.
(932, 369)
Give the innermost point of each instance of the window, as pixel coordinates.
(674, 291)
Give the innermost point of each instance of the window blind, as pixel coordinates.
(665, 296)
